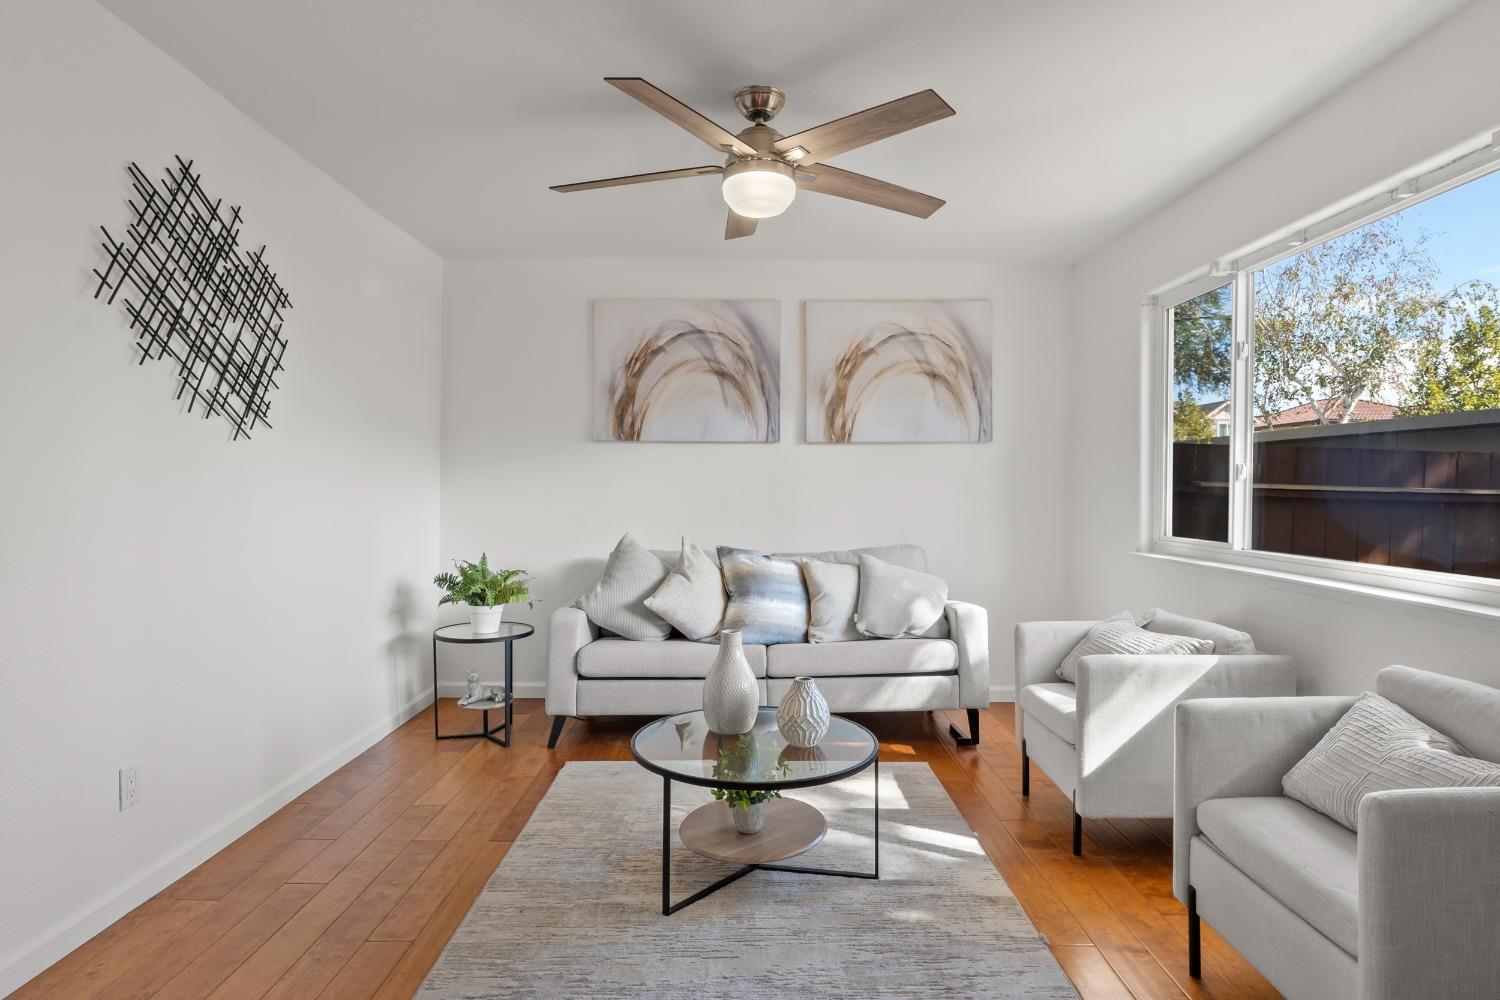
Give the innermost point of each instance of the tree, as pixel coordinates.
(1459, 369)
(1201, 335)
(1340, 322)
(1190, 422)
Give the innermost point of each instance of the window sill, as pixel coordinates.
(1450, 610)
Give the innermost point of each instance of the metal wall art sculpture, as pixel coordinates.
(193, 295)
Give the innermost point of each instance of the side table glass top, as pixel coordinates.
(464, 632)
(682, 748)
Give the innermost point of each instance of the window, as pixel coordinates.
(1362, 429)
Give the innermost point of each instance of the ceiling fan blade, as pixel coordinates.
(824, 179)
(660, 175)
(865, 127)
(737, 225)
(675, 111)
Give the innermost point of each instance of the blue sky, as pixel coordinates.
(1465, 231)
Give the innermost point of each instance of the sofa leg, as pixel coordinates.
(1025, 770)
(1077, 834)
(557, 728)
(973, 738)
(1195, 945)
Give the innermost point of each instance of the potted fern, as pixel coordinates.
(486, 591)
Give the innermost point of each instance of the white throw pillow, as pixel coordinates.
(895, 602)
(1376, 746)
(833, 600)
(1120, 634)
(691, 599)
(618, 603)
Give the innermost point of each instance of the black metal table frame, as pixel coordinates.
(668, 907)
(485, 732)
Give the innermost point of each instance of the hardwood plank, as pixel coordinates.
(364, 973)
(153, 926)
(230, 951)
(1090, 972)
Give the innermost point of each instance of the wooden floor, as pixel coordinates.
(352, 890)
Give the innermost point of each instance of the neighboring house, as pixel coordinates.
(1306, 415)
(1218, 412)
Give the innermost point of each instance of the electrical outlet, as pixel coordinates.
(130, 786)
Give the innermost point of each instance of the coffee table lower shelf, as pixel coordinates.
(791, 828)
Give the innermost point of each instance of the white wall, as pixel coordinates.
(232, 617)
(1441, 91)
(523, 480)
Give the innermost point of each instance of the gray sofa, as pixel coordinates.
(590, 673)
(1106, 742)
(1407, 908)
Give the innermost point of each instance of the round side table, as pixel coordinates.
(464, 634)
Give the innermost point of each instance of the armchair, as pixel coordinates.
(1107, 741)
(1406, 907)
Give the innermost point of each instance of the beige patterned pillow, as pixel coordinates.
(1120, 634)
(691, 599)
(618, 603)
(1377, 746)
(833, 599)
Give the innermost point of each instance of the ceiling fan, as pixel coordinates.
(764, 169)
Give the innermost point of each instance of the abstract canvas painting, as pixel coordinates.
(899, 371)
(687, 370)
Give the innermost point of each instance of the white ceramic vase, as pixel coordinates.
(731, 695)
(485, 621)
(803, 715)
(751, 819)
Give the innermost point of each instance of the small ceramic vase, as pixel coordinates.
(749, 819)
(803, 715)
(731, 695)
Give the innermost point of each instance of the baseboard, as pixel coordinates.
(1003, 693)
(51, 944)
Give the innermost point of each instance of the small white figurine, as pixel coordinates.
(475, 692)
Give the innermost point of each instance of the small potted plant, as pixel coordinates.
(486, 591)
(739, 762)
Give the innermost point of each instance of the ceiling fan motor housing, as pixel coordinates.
(759, 102)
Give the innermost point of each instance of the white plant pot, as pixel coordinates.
(750, 819)
(485, 621)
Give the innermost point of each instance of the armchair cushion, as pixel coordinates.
(1054, 706)
(1378, 746)
(1120, 634)
(1226, 640)
(1303, 858)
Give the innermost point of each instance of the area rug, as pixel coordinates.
(575, 908)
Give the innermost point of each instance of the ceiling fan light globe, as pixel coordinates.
(759, 189)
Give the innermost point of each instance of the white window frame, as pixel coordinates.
(1450, 591)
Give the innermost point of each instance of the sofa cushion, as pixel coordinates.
(691, 599)
(1226, 640)
(1054, 706)
(832, 598)
(854, 659)
(672, 658)
(895, 602)
(618, 602)
(909, 556)
(767, 597)
(1301, 857)
(1378, 746)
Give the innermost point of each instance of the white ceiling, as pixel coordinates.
(1075, 118)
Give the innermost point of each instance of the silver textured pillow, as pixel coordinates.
(833, 599)
(618, 603)
(691, 599)
(1120, 634)
(1376, 746)
(895, 601)
(767, 597)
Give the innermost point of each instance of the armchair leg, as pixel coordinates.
(1195, 945)
(1077, 834)
(973, 738)
(557, 728)
(1025, 770)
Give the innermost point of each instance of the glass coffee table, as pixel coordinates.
(681, 748)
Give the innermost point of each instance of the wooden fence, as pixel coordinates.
(1435, 510)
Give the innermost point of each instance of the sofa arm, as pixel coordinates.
(1126, 726)
(969, 627)
(568, 631)
(1429, 879)
(1228, 747)
(1040, 648)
